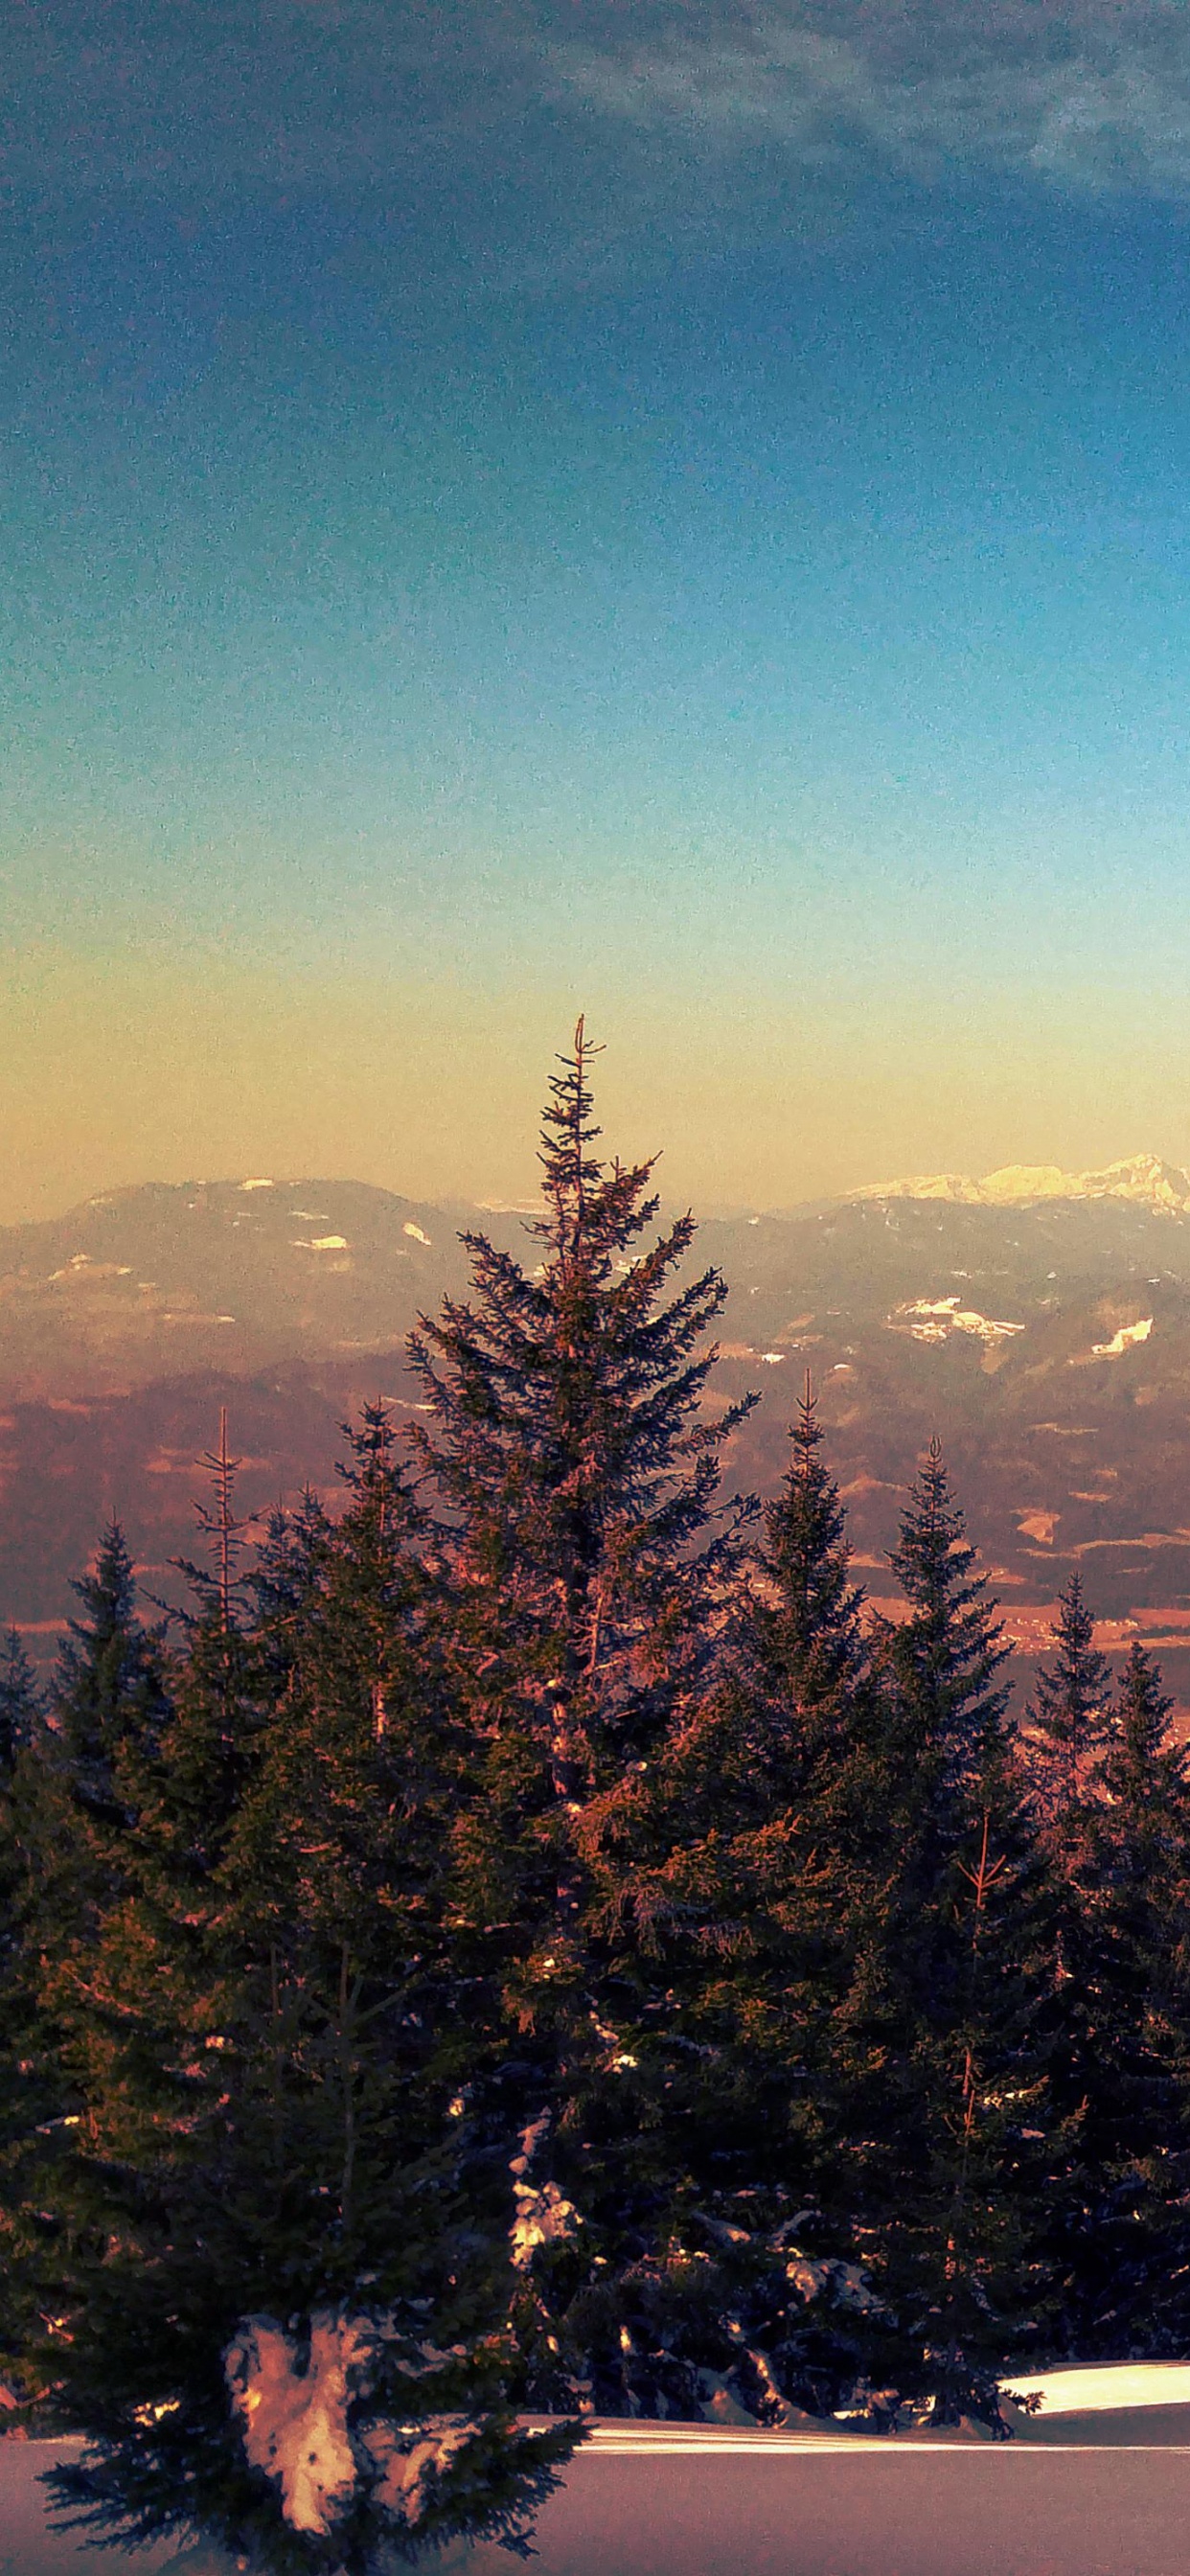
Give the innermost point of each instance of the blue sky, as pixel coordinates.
(679, 512)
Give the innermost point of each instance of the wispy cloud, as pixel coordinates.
(569, 105)
(1095, 98)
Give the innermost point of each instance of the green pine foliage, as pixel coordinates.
(272, 2188)
(1066, 1726)
(947, 1658)
(108, 1707)
(587, 1562)
(941, 2072)
(806, 1617)
(71, 1834)
(1129, 2283)
(767, 1790)
(1065, 1734)
(28, 2094)
(20, 1705)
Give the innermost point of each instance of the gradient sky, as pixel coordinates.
(681, 511)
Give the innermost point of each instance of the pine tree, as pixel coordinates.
(1065, 1733)
(768, 1789)
(20, 1713)
(947, 1655)
(279, 2190)
(810, 1624)
(1066, 1727)
(940, 2078)
(108, 1698)
(20, 1705)
(71, 1830)
(587, 1561)
(77, 1812)
(28, 2095)
(1131, 2252)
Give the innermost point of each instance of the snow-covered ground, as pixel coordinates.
(1098, 2484)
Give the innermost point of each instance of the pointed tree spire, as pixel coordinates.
(108, 1688)
(813, 1625)
(950, 1652)
(1067, 1718)
(588, 1559)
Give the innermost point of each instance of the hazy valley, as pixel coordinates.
(1045, 1336)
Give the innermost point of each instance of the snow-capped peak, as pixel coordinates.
(1142, 1179)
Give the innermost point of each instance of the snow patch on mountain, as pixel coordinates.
(934, 1319)
(1124, 1340)
(1142, 1180)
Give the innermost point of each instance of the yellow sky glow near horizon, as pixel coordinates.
(138, 1065)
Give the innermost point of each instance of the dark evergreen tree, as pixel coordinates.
(807, 1620)
(28, 2095)
(71, 1829)
(280, 2198)
(948, 1655)
(108, 1710)
(1065, 1732)
(108, 1700)
(940, 2075)
(1132, 2249)
(20, 1705)
(1066, 1729)
(768, 1789)
(587, 1562)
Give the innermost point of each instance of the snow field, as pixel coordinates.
(1097, 2485)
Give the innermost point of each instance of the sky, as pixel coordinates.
(677, 512)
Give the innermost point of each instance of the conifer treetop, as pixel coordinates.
(951, 1648)
(108, 1686)
(589, 1207)
(567, 1399)
(1068, 1712)
(1141, 1763)
(814, 1620)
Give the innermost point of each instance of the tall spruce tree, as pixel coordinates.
(1129, 2267)
(20, 1704)
(1061, 1749)
(948, 1655)
(587, 1561)
(1066, 1728)
(72, 1831)
(28, 2094)
(289, 2322)
(109, 1708)
(108, 1700)
(941, 2069)
(768, 1789)
(806, 1618)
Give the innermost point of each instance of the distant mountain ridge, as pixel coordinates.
(1143, 1180)
(1037, 1320)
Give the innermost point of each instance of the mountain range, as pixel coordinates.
(1038, 1321)
(1142, 1179)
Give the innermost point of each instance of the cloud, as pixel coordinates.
(1094, 99)
(598, 119)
